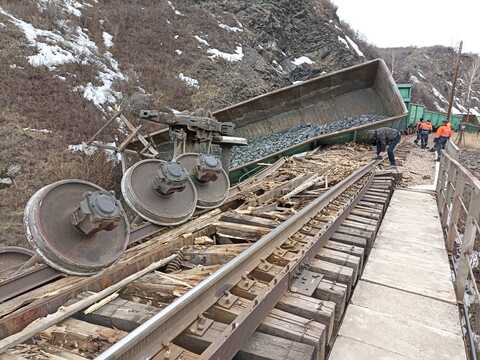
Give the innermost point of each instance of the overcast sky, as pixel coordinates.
(390, 23)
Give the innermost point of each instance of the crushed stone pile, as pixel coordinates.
(263, 146)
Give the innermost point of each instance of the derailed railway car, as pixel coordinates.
(367, 88)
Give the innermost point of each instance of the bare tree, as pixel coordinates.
(393, 64)
(473, 80)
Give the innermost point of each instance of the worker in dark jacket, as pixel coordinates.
(385, 139)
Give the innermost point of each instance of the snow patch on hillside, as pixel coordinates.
(41, 131)
(438, 94)
(237, 56)
(174, 9)
(69, 6)
(230, 28)
(355, 47)
(75, 46)
(302, 60)
(107, 39)
(343, 41)
(414, 79)
(201, 41)
(189, 81)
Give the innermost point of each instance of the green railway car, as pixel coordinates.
(417, 111)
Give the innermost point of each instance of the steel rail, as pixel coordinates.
(150, 337)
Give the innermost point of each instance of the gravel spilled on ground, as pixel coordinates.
(265, 145)
(470, 158)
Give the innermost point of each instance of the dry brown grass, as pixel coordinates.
(35, 98)
(470, 141)
(41, 164)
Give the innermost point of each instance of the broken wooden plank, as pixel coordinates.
(244, 219)
(212, 255)
(239, 231)
(158, 288)
(80, 336)
(17, 313)
(282, 189)
(67, 311)
(303, 186)
(40, 352)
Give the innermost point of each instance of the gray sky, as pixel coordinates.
(390, 23)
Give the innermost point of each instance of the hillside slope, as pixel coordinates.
(67, 64)
(430, 70)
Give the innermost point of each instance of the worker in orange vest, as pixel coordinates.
(425, 130)
(444, 133)
(417, 127)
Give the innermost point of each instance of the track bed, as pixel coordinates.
(267, 276)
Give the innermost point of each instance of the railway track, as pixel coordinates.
(270, 271)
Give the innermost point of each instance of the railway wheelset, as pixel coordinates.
(79, 228)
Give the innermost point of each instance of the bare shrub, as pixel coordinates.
(327, 7)
(38, 173)
(96, 168)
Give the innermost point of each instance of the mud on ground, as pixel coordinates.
(419, 166)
